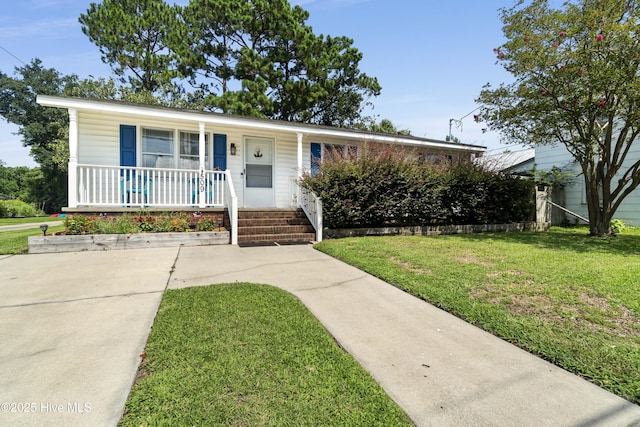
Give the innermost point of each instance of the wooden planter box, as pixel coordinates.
(106, 242)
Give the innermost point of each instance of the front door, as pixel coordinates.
(258, 166)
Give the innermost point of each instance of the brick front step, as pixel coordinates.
(274, 226)
(276, 229)
(300, 238)
(271, 213)
(261, 222)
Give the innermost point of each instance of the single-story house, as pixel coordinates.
(124, 155)
(573, 195)
(519, 162)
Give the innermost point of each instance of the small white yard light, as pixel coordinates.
(44, 228)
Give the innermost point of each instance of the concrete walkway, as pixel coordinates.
(72, 327)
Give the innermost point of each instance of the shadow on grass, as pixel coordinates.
(574, 239)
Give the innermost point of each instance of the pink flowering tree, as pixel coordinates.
(576, 82)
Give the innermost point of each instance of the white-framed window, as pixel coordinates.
(158, 148)
(322, 151)
(189, 150)
(169, 149)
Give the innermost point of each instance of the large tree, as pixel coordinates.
(15, 182)
(260, 58)
(384, 126)
(45, 129)
(39, 127)
(576, 83)
(132, 36)
(256, 57)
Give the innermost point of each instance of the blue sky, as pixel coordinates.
(431, 57)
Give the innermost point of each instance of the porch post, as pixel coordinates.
(201, 155)
(298, 194)
(73, 158)
(299, 154)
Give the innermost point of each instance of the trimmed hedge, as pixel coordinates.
(387, 186)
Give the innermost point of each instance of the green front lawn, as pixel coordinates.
(250, 355)
(572, 299)
(16, 241)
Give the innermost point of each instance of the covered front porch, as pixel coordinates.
(127, 189)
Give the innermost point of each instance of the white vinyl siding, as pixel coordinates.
(99, 139)
(575, 194)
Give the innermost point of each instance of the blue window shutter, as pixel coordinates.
(220, 151)
(127, 145)
(316, 157)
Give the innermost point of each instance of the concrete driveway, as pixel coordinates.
(72, 327)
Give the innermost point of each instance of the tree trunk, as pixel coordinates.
(599, 218)
(601, 229)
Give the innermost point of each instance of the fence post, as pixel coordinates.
(543, 207)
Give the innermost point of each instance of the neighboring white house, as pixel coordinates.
(513, 162)
(124, 154)
(573, 196)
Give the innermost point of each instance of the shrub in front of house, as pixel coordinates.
(389, 186)
(18, 209)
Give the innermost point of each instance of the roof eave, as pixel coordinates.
(120, 107)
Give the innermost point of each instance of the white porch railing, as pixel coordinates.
(150, 187)
(232, 207)
(312, 207)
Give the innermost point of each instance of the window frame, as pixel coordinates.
(158, 154)
(175, 145)
(351, 151)
(207, 148)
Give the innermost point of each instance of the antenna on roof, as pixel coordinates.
(458, 126)
(458, 122)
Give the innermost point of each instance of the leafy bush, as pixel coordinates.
(123, 224)
(146, 223)
(17, 209)
(387, 186)
(179, 223)
(617, 226)
(79, 224)
(206, 224)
